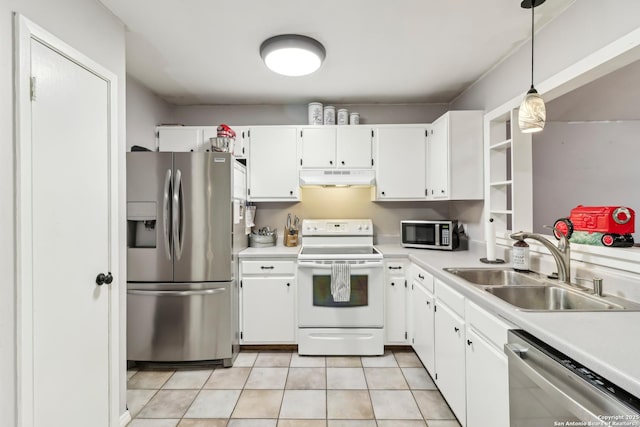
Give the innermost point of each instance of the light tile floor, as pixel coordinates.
(283, 389)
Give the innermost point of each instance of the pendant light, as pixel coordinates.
(532, 113)
(292, 54)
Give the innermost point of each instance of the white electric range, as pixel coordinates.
(326, 324)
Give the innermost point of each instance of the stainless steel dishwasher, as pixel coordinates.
(547, 388)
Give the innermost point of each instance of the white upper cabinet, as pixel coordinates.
(400, 163)
(179, 138)
(454, 157)
(272, 164)
(346, 147)
(318, 147)
(354, 147)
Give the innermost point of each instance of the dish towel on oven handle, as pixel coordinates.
(340, 282)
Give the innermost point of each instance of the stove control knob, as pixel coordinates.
(366, 227)
(359, 227)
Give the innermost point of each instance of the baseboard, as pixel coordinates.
(125, 418)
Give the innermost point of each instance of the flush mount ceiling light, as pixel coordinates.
(532, 113)
(292, 54)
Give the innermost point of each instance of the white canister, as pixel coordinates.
(329, 115)
(343, 116)
(315, 113)
(354, 119)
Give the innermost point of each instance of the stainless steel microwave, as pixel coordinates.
(440, 234)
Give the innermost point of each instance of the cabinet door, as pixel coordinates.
(354, 147)
(272, 164)
(268, 311)
(438, 159)
(179, 139)
(401, 157)
(450, 364)
(395, 311)
(487, 384)
(318, 148)
(423, 326)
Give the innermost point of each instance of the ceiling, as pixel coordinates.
(405, 51)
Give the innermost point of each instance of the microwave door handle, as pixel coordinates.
(166, 213)
(437, 235)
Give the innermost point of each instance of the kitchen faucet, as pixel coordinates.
(561, 253)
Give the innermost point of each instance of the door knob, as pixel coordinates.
(102, 278)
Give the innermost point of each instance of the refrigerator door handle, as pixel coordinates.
(166, 213)
(177, 293)
(177, 217)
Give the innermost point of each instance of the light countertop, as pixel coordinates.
(606, 342)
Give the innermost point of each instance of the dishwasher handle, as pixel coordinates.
(562, 385)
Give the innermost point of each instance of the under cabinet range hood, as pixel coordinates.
(337, 177)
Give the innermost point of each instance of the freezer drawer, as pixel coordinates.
(179, 322)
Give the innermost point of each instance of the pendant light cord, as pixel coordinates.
(533, 6)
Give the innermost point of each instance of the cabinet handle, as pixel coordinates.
(391, 267)
(442, 191)
(393, 284)
(330, 162)
(469, 342)
(342, 162)
(266, 267)
(291, 192)
(382, 193)
(455, 328)
(288, 284)
(428, 303)
(420, 276)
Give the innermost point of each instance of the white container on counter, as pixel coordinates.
(343, 116)
(315, 113)
(329, 115)
(354, 119)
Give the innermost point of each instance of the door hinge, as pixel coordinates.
(371, 162)
(241, 335)
(240, 283)
(158, 134)
(412, 286)
(32, 89)
(300, 134)
(372, 135)
(426, 191)
(405, 283)
(426, 133)
(413, 340)
(300, 162)
(406, 335)
(248, 191)
(435, 308)
(436, 376)
(249, 133)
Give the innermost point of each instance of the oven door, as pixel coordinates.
(316, 308)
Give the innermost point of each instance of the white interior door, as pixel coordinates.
(67, 237)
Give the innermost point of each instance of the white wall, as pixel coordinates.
(296, 114)
(145, 111)
(90, 28)
(349, 203)
(583, 28)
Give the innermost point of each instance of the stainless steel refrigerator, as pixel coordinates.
(181, 263)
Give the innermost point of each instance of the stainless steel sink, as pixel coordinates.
(496, 276)
(550, 298)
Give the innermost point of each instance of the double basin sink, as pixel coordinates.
(534, 292)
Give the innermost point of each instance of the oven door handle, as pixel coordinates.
(326, 266)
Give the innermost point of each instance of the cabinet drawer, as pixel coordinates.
(490, 326)
(422, 277)
(453, 299)
(269, 267)
(395, 268)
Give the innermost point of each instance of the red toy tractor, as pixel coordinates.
(598, 225)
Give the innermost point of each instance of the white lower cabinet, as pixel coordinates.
(395, 308)
(450, 358)
(423, 325)
(487, 369)
(267, 298)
